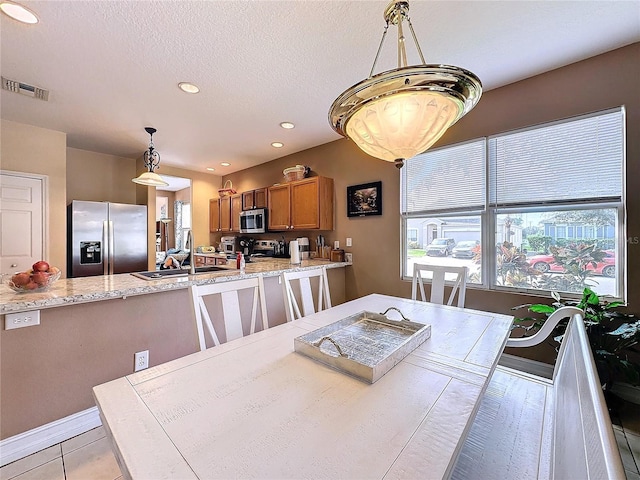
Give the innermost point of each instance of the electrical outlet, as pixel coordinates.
(141, 361)
(336, 244)
(349, 242)
(348, 257)
(23, 319)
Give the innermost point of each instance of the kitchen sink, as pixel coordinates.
(174, 272)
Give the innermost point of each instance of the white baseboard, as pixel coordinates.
(627, 392)
(23, 444)
(533, 367)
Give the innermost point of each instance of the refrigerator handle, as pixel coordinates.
(112, 250)
(106, 251)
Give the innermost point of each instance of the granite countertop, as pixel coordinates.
(105, 287)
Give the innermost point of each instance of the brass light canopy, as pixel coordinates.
(399, 113)
(151, 162)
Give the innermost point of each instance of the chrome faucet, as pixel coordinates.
(189, 242)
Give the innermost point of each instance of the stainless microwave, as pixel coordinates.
(253, 221)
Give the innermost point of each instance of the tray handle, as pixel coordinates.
(317, 343)
(397, 310)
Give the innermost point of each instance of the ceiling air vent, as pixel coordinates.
(25, 89)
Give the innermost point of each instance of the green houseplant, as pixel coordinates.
(613, 335)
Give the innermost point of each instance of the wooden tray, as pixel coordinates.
(365, 345)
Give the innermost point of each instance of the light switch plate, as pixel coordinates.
(22, 319)
(349, 242)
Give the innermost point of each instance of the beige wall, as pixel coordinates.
(25, 148)
(100, 178)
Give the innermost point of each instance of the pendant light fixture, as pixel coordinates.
(400, 113)
(151, 161)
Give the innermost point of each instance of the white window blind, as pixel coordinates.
(445, 179)
(576, 160)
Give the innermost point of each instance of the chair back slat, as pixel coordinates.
(306, 297)
(438, 281)
(231, 311)
(303, 278)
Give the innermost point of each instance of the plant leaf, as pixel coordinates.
(542, 309)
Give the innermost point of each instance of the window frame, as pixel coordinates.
(489, 214)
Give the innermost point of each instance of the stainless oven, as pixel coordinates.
(253, 221)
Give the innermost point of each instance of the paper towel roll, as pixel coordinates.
(294, 252)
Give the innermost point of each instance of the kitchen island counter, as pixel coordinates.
(105, 287)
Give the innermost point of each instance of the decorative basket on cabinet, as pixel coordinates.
(298, 172)
(227, 189)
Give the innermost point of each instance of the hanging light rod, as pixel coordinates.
(399, 113)
(151, 162)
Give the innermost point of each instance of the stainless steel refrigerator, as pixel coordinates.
(105, 238)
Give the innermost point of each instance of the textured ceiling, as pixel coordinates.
(112, 67)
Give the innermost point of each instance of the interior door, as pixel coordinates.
(22, 221)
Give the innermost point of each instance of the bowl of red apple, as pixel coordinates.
(38, 279)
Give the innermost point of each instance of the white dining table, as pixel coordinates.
(255, 408)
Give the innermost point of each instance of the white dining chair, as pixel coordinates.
(303, 279)
(546, 329)
(438, 279)
(229, 296)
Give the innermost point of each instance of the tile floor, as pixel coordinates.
(626, 426)
(89, 457)
(85, 457)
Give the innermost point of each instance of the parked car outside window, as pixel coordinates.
(441, 247)
(546, 263)
(465, 249)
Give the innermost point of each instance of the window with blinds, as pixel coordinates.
(522, 206)
(446, 179)
(570, 161)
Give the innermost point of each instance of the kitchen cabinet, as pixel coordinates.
(254, 199)
(305, 204)
(204, 260)
(214, 215)
(236, 208)
(228, 212)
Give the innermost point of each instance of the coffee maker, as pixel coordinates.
(229, 246)
(303, 246)
(246, 247)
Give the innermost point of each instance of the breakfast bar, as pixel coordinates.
(89, 329)
(105, 287)
(255, 408)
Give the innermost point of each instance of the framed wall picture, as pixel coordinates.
(364, 200)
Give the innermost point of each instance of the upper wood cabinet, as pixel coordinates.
(280, 207)
(214, 215)
(236, 208)
(225, 212)
(302, 205)
(254, 199)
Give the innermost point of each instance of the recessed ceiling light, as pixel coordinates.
(287, 125)
(225, 164)
(277, 144)
(188, 87)
(211, 169)
(18, 12)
